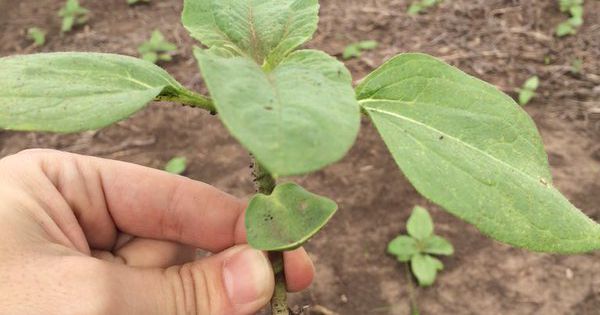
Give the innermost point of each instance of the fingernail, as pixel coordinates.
(247, 276)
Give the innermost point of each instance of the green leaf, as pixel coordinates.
(69, 92)
(368, 44)
(355, 50)
(287, 218)
(258, 29)
(156, 48)
(176, 165)
(351, 51)
(37, 35)
(438, 245)
(425, 268)
(564, 29)
(532, 83)
(150, 57)
(576, 12)
(295, 119)
(471, 149)
(525, 97)
(419, 225)
(403, 247)
(72, 13)
(415, 9)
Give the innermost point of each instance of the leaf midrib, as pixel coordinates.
(381, 111)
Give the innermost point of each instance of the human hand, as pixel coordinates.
(83, 235)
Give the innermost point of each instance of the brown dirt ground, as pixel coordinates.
(501, 41)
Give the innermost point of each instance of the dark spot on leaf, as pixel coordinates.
(441, 138)
(268, 108)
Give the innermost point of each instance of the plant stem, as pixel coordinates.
(189, 98)
(265, 183)
(414, 308)
(279, 304)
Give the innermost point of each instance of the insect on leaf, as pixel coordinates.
(471, 149)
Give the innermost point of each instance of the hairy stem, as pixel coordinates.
(279, 304)
(265, 183)
(188, 98)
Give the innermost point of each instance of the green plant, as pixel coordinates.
(575, 9)
(355, 50)
(527, 92)
(176, 165)
(157, 48)
(37, 35)
(576, 66)
(421, 6)
(461, 142)
(73, 14)
(419, 245)
(133, 2)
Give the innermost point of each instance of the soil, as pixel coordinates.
(501, 41)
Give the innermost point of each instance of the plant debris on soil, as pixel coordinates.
(501, 41)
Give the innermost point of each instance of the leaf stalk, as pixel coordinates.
(265, 183)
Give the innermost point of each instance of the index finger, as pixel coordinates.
(108, 196)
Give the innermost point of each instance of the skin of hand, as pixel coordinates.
(82, 235)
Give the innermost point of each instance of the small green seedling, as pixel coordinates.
(157, 48)
(575, 9)
(576, 66)
(461, 142)
(37, 35)
(134, 2)
(527, 92)
(73, 14)
(419, 245)
(422, 6)
(176, 165)
(355, 50)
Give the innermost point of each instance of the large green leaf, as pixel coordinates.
(69, 92)
(295, 119)
(257, 29)
(470, 148)
(287, 218)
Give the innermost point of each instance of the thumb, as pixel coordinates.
(238, 281)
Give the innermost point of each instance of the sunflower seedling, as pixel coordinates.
(421, 6)
(355, 50)
(461, 142)
(176, 165)
(575, 9)
(134, 2)
(73, 14)
(419, 246)
(157, 48)
(527, 92)
(37, 36)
